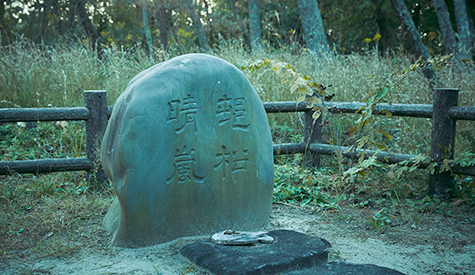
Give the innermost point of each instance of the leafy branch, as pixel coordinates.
(310, 91)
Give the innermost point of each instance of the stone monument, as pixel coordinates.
(189, 151)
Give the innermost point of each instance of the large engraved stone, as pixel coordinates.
(189, 151)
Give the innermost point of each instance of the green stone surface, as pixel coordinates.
(189, 151)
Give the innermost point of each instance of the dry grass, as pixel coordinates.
(48, 215)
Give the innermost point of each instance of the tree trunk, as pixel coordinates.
(242, 26)
(72, 14)
(282, 25)
(42, 8)
(2, 21)
(195, 17)
(162, 27)
(209, 22)
(463, 29)
(255, 25)
(415, 40)
(12, 24)
(388, 34)
(3, 11)
(88, 27)
(58, 18)
(315, 37)
(146, 29)
(471, 27)
(445, 25)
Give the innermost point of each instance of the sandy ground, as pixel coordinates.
(437, 247)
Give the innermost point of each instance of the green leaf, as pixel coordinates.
(311, 100)
(303, 90)
(383, 92)
(388, 135)
(316, 114)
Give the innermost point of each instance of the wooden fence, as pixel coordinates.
(444, 113)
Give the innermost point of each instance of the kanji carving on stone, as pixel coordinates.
(183, 113)
(224, 113)
(239, 112)
(184, 167)
(237, 160)
(233, 111)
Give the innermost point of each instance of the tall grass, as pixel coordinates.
(32, 75)
(36, 76)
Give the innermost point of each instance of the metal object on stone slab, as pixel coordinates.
(231, 237)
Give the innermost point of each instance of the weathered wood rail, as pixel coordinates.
(444, 113)
(95, 113)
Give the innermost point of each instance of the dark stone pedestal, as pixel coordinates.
(290, 251)
(342, 268)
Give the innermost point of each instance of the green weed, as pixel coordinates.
(380, 220)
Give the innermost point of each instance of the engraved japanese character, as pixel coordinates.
(232, 110)
(238, 162)
(224, 113)
(184, 167)
(183, 113)
(223, 161)
(239, 112)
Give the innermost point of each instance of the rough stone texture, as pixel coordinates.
(342, 268)
(189, 151)
(290, 251)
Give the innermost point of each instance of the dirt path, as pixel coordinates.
(437, 246)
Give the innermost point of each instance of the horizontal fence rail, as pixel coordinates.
(45, 165)
(444, 113)
(43, 114)
(95, 114)
(82, 113)
(409, 110)
(349, 152)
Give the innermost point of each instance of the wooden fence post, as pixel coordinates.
(443, 140)
(96, 124)
(312, 133)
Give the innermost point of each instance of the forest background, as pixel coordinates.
(174, 24)
(52, 51)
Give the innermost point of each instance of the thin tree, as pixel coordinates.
(383, 25)
(2, 20)
(11, 17)
(146, 29)
(209, 21)
(162, 26)
(255, 25)
(463, 29)
(415, 40)
(237, 15)
(471, 27)
(87, 25)
(445, 25)
(41, 7)
(312, 23)
(195, 17)
(72, 14)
